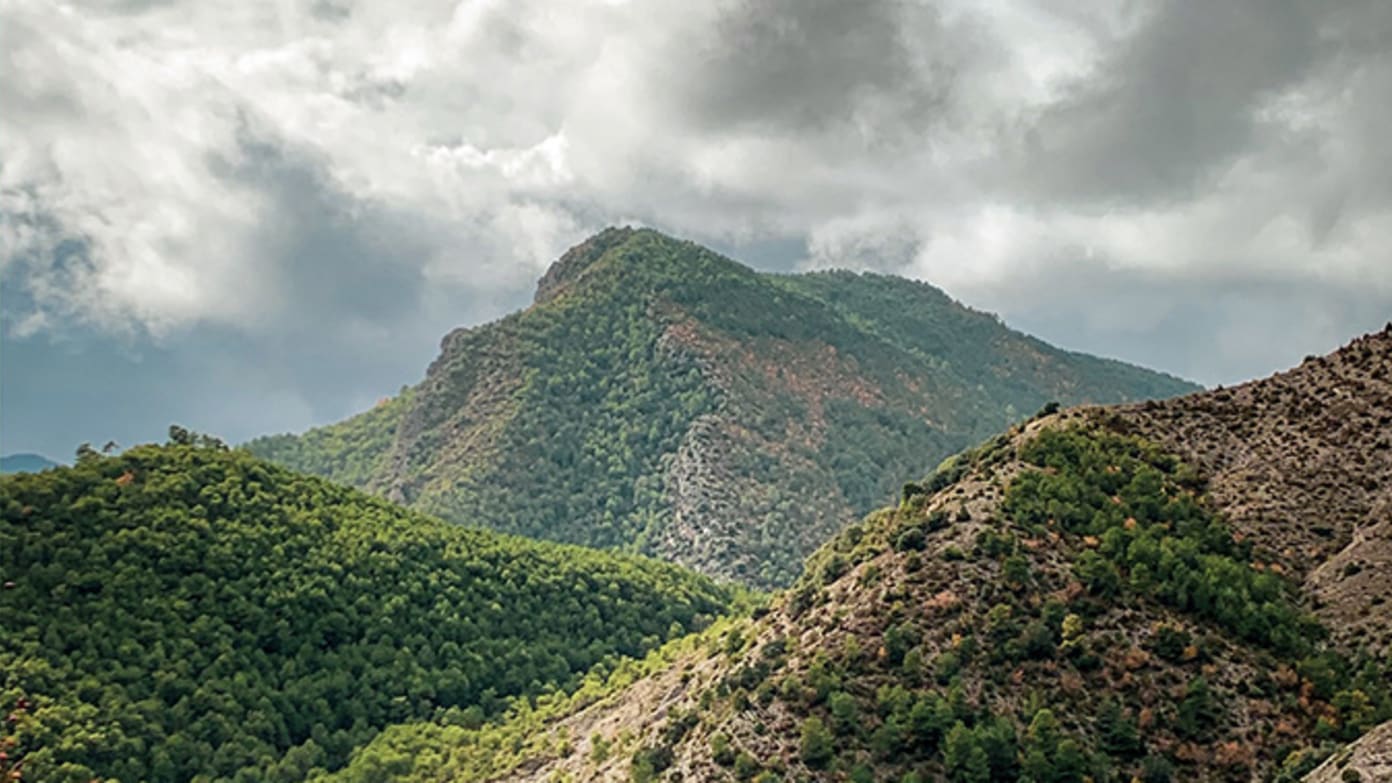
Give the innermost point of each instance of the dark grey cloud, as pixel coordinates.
(808, 65)
(1172, 104)
(338, 260)
(772, 253)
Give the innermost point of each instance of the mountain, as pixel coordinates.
(185, 612)
(659, 397)
(25, 463)
(1188, 590)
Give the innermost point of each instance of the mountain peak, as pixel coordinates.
(666, 397)
(575, 261)
(660, 259)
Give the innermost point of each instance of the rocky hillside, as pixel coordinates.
(1155, 592)
(1300, 463)
(662, 398)
(1368, 760)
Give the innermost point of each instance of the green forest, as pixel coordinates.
(188, 612)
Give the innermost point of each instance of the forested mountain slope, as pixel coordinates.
(659, 397)
(1153, 592)
(185, 612)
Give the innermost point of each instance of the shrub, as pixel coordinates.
(721, 752)
(648, 763)
(1157, 769)
(1169, 642)
(845, 714)
(1199, 711)
(816, 747)
(746, 766)
(912, 539)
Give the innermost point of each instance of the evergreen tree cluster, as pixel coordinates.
(1155, 536)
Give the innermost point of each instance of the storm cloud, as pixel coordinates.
(260, 216)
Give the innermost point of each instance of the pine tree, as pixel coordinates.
(1199, 710)
(1120, 735)
(965, 759)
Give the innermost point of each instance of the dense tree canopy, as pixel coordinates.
(188, 612)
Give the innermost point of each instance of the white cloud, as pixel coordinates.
(468, 142)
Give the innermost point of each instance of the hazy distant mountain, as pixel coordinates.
(25, 463)
(1189, 590)
(662, 398)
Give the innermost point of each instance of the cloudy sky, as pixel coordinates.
(256, 216)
